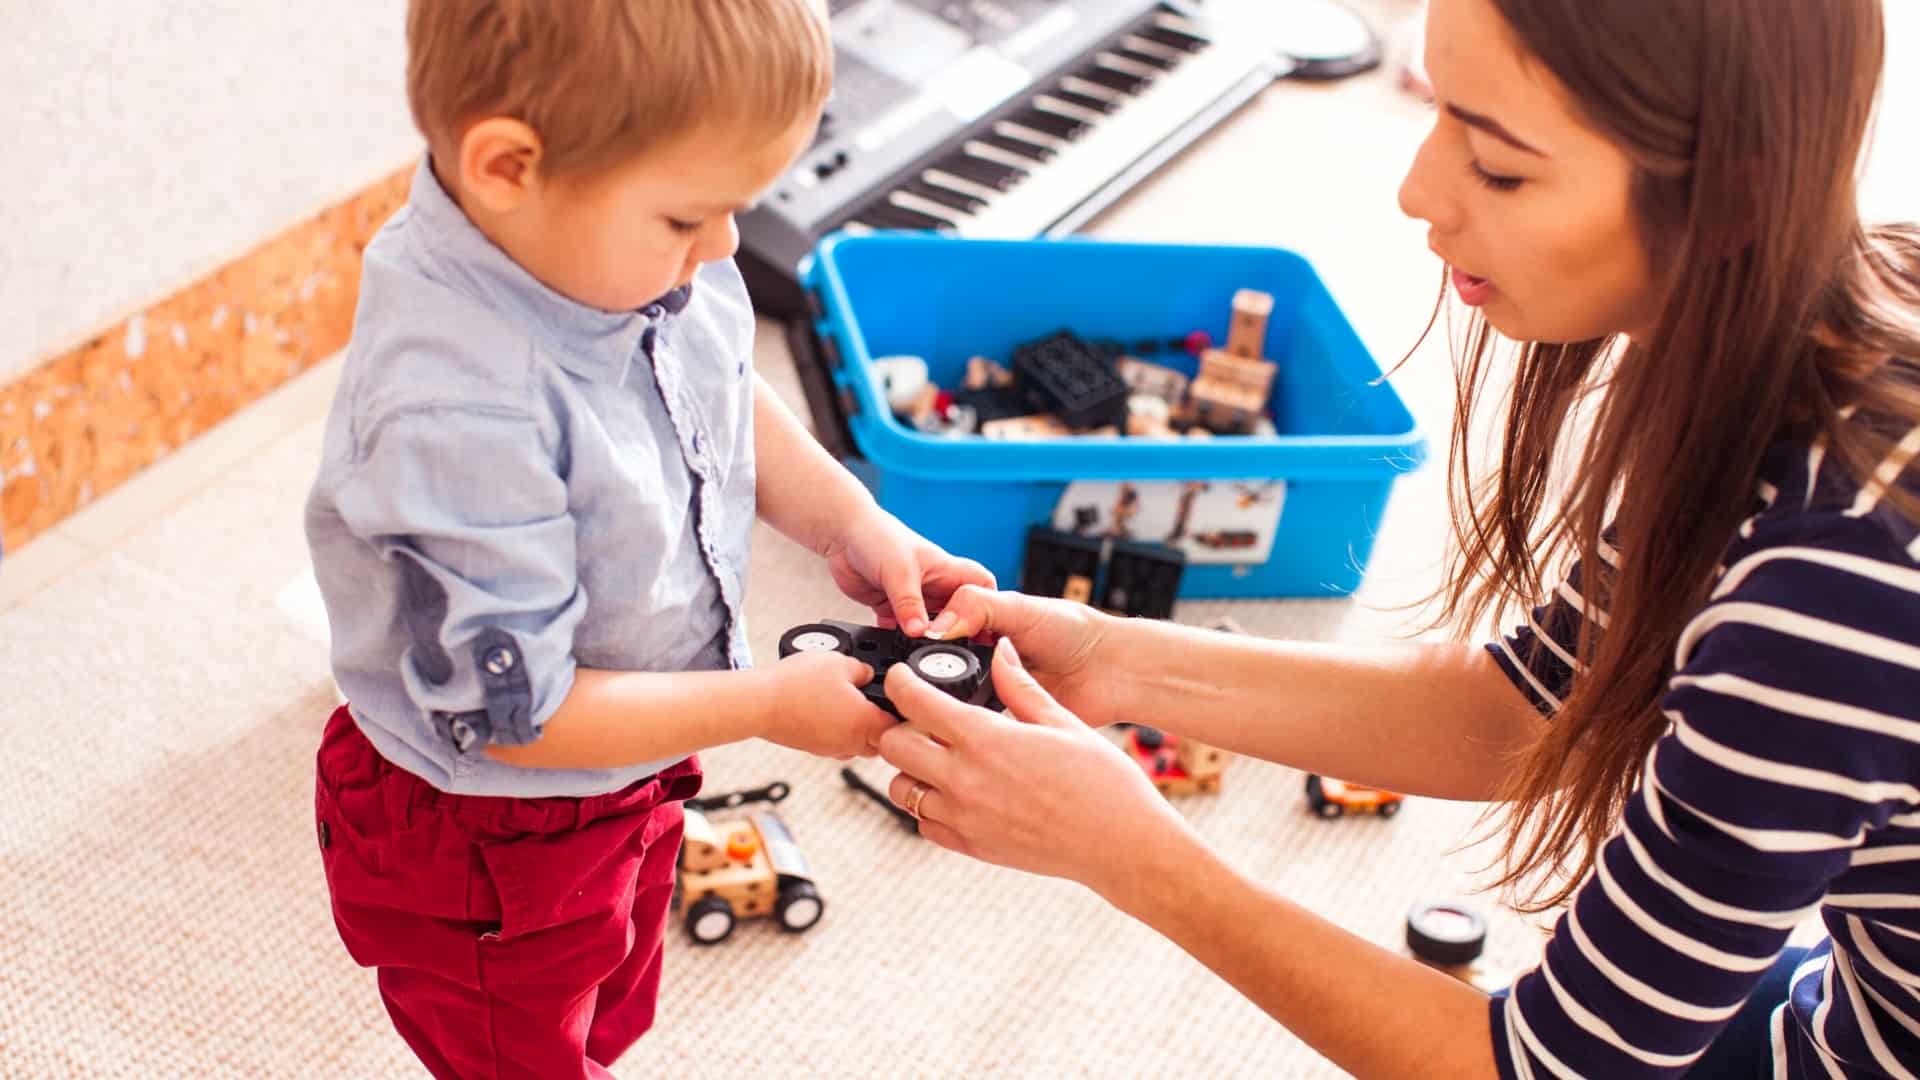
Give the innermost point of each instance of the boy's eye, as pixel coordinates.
(1493, 180)
(680, 226)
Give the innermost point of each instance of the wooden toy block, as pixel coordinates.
(983, 373)
(1079, 589)
(1144, 377)
(1247, 335)
(704, 848)
(1040, 426)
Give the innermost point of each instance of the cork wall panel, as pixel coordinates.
(83, 422)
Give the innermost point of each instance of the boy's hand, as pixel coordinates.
(878, 561)
(817, 706)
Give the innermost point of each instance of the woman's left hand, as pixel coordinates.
(1036, 790)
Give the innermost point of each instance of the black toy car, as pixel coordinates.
(960, 668)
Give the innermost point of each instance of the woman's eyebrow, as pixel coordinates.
(1492, 127)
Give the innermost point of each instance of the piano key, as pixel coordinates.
(1104, 106)
(945, 179)
(956, 200)
(1113, 61)
(1058, 105)
(933, 208)
(1034, 152)
(992, 174)
(1155, 60)
(1132, 85)
(989, 152)
(1213, 75)
(1175, 39)
(1066, 127)
(1145, 46)
(885, 215)
(1013, 130)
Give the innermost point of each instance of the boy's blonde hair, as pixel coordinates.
(601, 81)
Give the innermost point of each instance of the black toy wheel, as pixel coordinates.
(1317, 799)
(710, 920)
(1149, 738)
(1388, 809)
(952, 668)
(816, 637)
(1448, 934)
(798, 907)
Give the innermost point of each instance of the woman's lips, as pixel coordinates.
(1474, 291)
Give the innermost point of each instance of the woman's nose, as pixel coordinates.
(1423, 193)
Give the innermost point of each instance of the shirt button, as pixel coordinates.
(500, 661)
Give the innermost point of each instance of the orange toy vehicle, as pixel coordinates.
(1331, 798)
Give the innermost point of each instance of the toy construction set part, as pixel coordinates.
(960, 668)
(1062, 385)
(743, 868)
(1141, 579)
(1177, 766)
(1330, 798)
(1450, 937)
(859, 783)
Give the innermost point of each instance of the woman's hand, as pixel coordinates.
(1037, 790)
(1057, 639)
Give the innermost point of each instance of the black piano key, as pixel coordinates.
(964, 203)
(981, 171)
(1087, 101)
(1066, 127)
(1116, 80)
(1146, 59)
(1174, 39)
(885, 215)
(1022, 148)
(1134, 44)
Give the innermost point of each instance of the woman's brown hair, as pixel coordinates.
(1781, 317)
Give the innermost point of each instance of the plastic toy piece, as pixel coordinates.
(1143, 579)
(1230, 392)
(1151, 380)
(903, 379)
(1247, 335)
(1056, 560)
(1042, 426)
(1176, 766)
(743, 868)
(858, 783)
(1332, 798)
(959, 668)
(1450, 937)
(994, 403)
(1073, 380)
(983, 374)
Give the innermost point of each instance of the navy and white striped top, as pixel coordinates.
(1787, 782)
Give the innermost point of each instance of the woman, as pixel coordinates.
(1712, 730)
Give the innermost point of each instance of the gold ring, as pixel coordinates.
(916, 795)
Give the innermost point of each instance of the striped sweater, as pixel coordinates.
(1787, 782)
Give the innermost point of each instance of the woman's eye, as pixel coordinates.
(1494, 180)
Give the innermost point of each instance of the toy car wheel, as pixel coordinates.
(1389, 808)
(710, 920)
(1317, 799)
(799, 906)
(816, 637)
(1446, 933)
(1148, 738)
(952, 668)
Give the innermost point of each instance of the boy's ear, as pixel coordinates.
(499, 163)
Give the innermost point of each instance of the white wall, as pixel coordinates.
(148, 143)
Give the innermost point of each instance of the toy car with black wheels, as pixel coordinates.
(960, 668)
(1332, 798)
(743, 868)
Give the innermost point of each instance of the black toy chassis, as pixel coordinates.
(960, 668)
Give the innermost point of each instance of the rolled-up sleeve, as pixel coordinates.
(470, 508)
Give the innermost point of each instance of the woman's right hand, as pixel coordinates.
(1057, 639)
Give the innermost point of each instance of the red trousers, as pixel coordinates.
(512, 937)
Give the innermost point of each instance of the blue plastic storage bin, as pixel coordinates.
(1342, 436)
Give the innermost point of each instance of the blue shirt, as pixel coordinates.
(1787, 783)
(514, 484)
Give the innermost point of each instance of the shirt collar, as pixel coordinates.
(594, 344)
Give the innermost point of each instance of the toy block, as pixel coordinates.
(983, 374)
(994, 403)
(1055, 560)
(1042, 426)
(1073, 380)
(1151, 380)
(704, 848)
(1230, 393)
(1247, 335)
(1079, 589)
(1143, 579)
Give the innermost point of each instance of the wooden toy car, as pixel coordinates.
(1331, 798)
(743, 868)
(1177, 766)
